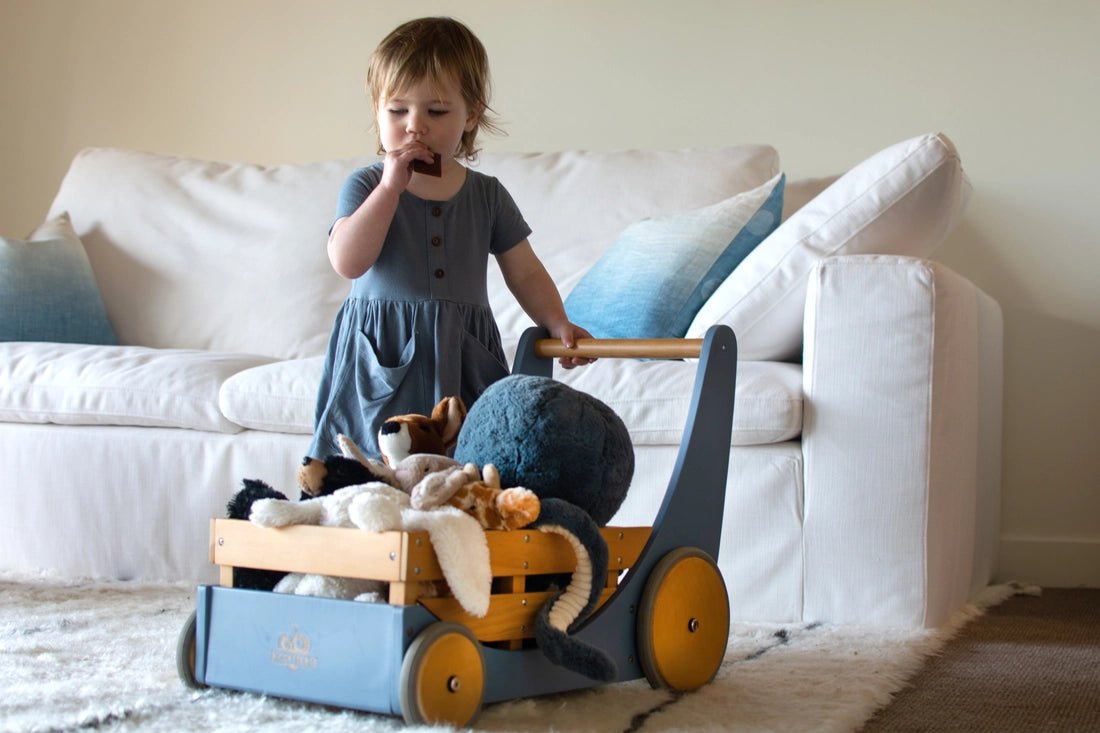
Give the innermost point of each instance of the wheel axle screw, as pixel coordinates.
(693, 625)
(453, 684)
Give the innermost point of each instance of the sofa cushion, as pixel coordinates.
(903, 200)
(659, 272)
(281, 397)
(48, 291)
(74, 384)
(196, 254)
(579, 202)
(653, 397)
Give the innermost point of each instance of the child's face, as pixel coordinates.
(432, 113)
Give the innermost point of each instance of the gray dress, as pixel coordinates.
(416, 327)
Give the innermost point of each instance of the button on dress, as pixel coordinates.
(416, 327)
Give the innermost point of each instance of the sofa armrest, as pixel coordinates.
(902, 440)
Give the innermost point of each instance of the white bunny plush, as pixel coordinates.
(377, 506)
(373, 507)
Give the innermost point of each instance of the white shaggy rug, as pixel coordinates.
(102, 657)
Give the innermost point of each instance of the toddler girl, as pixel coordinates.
(415, 232)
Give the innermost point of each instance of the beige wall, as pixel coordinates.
(827, 83)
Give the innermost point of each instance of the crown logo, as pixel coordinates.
(294, 644)
(293, 652)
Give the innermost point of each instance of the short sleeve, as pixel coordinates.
(355, 190)
(509, 226)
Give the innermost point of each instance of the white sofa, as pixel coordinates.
(864, 466)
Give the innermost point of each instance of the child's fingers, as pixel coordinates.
(568, 362)
(568, 340)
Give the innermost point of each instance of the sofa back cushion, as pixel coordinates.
(203, 255)
(231, 257)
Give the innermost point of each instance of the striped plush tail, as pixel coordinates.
(561, 614)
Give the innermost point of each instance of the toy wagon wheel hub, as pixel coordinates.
(683, 620)
(442, 676)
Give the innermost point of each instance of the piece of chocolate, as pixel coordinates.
(435, 168)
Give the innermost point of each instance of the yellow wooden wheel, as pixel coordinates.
(185, 653)
(442, 676)
(683, 620)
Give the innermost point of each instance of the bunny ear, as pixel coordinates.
(449, 415)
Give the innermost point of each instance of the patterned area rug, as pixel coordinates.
(102, 657)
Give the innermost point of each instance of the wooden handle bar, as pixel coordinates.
(621, 348)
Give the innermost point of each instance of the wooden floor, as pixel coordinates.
(1031, 663)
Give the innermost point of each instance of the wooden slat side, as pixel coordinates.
(510, 616)
(403, 594)
(399, 556)
(418, 560)
(510, 584)
(625, 545)
(530, 552)
(348, 553)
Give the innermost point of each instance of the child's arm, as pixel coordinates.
(356, 240)
(538, 296)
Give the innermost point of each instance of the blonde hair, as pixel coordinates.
(434, 49)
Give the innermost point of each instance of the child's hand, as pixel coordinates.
(397, 169)
(569, 333)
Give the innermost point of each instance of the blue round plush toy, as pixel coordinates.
(552, 439)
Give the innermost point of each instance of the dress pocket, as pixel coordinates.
(376, 380)
(480, 367)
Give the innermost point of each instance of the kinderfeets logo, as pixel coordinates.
(293, 652)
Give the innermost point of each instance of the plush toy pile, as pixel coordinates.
(411, 491)
(565, 456)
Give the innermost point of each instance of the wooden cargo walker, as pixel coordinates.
(664, 613)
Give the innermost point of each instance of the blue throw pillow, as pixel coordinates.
(658, 274)
(48, 292)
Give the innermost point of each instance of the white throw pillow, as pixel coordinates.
(904, 200)
(278, 398)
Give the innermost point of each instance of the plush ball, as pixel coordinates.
(552, 439)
